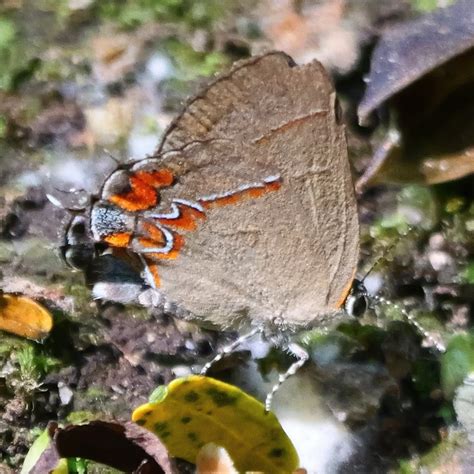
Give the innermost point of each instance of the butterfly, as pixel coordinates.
(245, 215)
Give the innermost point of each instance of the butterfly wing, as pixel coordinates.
(264, 217)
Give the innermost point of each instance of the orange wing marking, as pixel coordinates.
(245, 191)
(143, 194)
(183, 215)
(159, 241)
(345, 292)
(152, 268)
(286, 126)
(155, 234)
(164, 243)
(162, 178)
(152, 249)
(121, 239)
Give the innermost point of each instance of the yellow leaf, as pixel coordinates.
(61, 468)
(24, 317)
(197, 410)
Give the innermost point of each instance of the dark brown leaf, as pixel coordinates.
(126, 447)
(415, 48)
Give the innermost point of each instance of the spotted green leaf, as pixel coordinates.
(197, 410)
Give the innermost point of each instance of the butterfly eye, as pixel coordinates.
(78, 228)
(78, 248)
(357, 303)
(77, 257)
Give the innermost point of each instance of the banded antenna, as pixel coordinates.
(74, 210)
(383, 300)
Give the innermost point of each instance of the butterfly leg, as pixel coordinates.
(230, 348)
(302, 356)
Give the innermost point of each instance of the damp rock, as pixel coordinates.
(15, 409)
(14, 225)
(181, 371)
(65, 393)
(440, 260)
(59, 122)
(36, 259)
(110, 122)
(354, 391)
(33, 199)
(115, 55)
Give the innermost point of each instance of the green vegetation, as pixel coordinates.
(429, 5)
(33, 365)
(458, 362)
(132, 13)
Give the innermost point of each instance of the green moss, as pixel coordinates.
(8, 36)
(7, 252)
(3, 127)
(34, 363)
(8, 32)
(417, 208)
(426, 6)
(11, 344)
(96, 394)
(467, 275)
(454, 205)
(435, 458)
(78, 417)
(77, 289)
(129, 14)
(23, 60)
(457, 362)
(191, 64)
(31, 362)
(365, 335)
(275, 359)
(18, 64)
(82, 466)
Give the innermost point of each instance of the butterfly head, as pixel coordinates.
(357, 301)
(78, 248)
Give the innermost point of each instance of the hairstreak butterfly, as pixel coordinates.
(246, 212)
